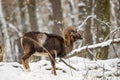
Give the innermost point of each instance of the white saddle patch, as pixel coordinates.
(42, 38)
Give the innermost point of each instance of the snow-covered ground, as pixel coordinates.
(86, 70)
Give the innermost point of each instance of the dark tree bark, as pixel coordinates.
(57, 16)
(72, 11)
(87, 31)
(5, 34)
(82, 11)
(32, 14)
(102, 12)
(22, 15)
(85, 11)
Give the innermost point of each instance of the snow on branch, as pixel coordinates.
(94, 17)
(14, 28)
(79, 27)
(99, 45)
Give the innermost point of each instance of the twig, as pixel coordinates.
(86, 74)
(111, 33)
(70, 68)
(84, 21)
(94, 17)
(114, 48)
(91, 53)
(68, 64)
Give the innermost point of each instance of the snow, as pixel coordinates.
(81, 4)
(86, 70)
(102, 44)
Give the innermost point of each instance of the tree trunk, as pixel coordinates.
(82, 10)
(85, 11)
(115, 23)
(32, 14)
(57, 16)
(72, 11)
(7, 46)
(23, 28)
(102, 12)
(87, 31)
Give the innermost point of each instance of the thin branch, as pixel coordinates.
(91, 53)
(15, 29)
(99, 45)
(111, 33)
(68, 64)
(79, 27)
(114, 48)
(94, 17)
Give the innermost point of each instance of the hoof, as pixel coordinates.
(27, 70)
(54, 73)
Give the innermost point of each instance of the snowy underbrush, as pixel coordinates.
(86, 70)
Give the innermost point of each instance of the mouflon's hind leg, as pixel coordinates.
(53, 69)
(52, 60)
(25, 62)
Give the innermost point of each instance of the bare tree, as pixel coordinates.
(57, 16)
(87, 32)
(22, 8)
(7, 46)
(95, 31)
(115, 23)
(32, 14)
(85, 9)
(82, 10)
(102, 12)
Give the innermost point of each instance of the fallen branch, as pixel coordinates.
(99, 45)
(68, 64)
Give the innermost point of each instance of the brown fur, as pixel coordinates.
(71, 35)
(1, 54)
(43, 42)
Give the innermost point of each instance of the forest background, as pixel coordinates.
(98, 19)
